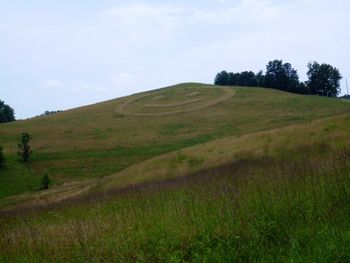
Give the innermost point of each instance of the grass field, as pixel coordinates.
(97, 140)
(259, 175)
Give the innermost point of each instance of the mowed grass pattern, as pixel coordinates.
(95, 141)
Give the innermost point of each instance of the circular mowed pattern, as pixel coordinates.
(174, 101)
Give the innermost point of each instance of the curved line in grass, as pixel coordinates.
(172, 104)
(122, 109)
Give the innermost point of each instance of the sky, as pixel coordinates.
(60, 54)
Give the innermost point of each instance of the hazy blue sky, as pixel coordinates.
(63, 54)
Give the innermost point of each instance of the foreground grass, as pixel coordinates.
(291, 206)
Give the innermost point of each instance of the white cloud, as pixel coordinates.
(141, 10)
(74, 86)
(174, 16)
(53, 84)
(84, 87)
(245, 12)
(80, 86)
(121, 80)
(143, 15)
(141, 25)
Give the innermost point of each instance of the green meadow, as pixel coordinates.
(97, 140)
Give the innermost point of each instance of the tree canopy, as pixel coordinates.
(7, 114)
(245, 78)
(221, 78)
(323, 79)
(281, 76)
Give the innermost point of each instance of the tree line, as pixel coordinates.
(323, 79)
(7, 114)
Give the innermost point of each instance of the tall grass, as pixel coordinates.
(291, 207)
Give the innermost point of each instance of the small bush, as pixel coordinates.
(2, 158)
(24, 147)
(45, 181)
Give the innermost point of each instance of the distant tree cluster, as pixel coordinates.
(7, 114)
(323, 79)
(245, 78)
(47, 113)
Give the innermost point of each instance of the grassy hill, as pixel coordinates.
(188, 173)
(105, 138)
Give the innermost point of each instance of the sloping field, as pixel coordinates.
(333, 131)
(281, 195)
(103, 139)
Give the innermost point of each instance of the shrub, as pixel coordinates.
(24, 147)
(2, 158)
(45, 181)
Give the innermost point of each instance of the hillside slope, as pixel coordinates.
(105, 138)
(280, 195)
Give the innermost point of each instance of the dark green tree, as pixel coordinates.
(7, 114)
(260, 78)
(247, 78)
(303, 88)
(231, 79)
(324, 80)
(45, 181)
(2, 157)
(24, 147)
(281, 76)
(234, 79)
(221, 78)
